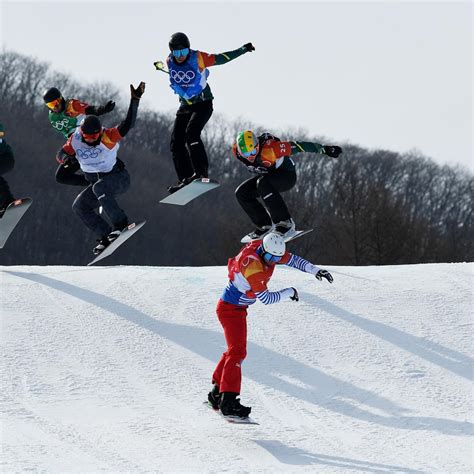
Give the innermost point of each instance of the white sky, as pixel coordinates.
(395, 75)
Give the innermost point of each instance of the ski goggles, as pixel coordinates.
(51, 105)
(91, 137)
(268, 257)
(248, 154)
(177, 53)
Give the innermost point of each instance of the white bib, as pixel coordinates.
(94, 159)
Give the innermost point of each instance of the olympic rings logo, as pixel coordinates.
(88, 154)
(61, 124)
(182, 76)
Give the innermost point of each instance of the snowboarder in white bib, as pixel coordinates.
(93, 150)
(65, 115)
(269, 158)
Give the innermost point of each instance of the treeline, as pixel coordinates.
(370, 207)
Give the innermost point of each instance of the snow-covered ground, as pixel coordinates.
(105, 370)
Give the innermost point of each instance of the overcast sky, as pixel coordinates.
(394, 75)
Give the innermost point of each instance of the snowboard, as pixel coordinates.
(125, 235)
(191, 191)
(233, 419)
(293, 235)
(12, 216)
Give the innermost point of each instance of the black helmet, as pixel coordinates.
(179, 41)
(51, 94)
(91, 125)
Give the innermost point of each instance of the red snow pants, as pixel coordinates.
(228, 374)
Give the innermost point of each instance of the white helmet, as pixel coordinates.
(274, 244)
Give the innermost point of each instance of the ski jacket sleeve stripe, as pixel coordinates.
(272, 297)
(208, 60)
(309, 147)
(269, 297)
(301, 264)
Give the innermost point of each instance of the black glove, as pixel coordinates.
(248, 47)
(332, 150)
(138, 92)
(295, 296)
(62, 157)
(324, 274)
(108, 107)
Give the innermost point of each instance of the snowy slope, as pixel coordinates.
(105, 370)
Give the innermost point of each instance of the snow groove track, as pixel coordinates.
(105, 370)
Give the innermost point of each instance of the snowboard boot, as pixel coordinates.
(285, 228)
(5, 204)
(196, 176)
(102, 244)
(117, 231)
(260, 232)
(176, 187)
(214, 397)
(230, 406)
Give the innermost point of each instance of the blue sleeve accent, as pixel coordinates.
(269, 297)
(298, 263)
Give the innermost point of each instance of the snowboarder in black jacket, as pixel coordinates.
(7, 162)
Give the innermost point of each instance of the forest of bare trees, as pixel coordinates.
(369, 207)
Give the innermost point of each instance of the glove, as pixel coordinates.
(62, 157)
(159, 65)
(324, 274)
(108, 107)
(295, 296)
(332, 150)
(138, 92)
(248, 47)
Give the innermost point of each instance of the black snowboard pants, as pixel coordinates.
(187, 149)
(7, 163)
(260, 196)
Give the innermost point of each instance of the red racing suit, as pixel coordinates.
(249, 275)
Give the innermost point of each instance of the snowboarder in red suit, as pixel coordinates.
(249, 273)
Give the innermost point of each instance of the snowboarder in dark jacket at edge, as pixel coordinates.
(93, 149)
(249, 273)
(7, 162)
(65, 115)
(188, 78)
(269, 158)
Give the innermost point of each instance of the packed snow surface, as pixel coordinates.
(106, 369)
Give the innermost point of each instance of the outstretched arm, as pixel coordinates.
(209, 60)
(101, 109)
(259, 287)
(330, 150)
(271, 297)
(129, 122)
(303, 265)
